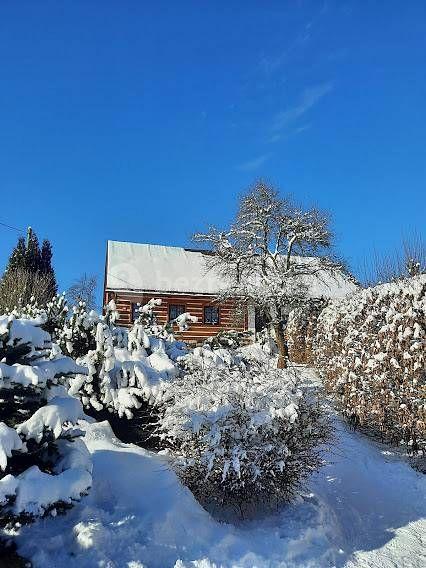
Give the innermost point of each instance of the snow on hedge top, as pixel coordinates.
(134, 266)
(350, 309)
(210, 396)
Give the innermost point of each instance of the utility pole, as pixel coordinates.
(29, 233)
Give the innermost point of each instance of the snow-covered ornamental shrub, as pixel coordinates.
(76, 336)
(44, 465)
(127, 369)
(228, 339)
(242, 436)
(53, 314)
(371, 349)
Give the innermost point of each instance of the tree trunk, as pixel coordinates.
(282, 346)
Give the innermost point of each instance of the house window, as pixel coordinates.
(135, 311)
(211, 315)
(175, 310)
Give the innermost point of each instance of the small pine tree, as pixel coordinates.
(39, 437)
(17, 258)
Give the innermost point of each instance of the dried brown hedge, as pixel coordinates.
(371, 351)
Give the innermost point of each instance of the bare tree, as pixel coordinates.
(414, 254)
(269, 255)
(409, 260)
(84, 290)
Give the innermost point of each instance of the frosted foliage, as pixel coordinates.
(184, 320)
(59, 413)
(24, 333)
(56, 468)
(37, 491)
(123, 374)
(118, 383)
(76, 337)
(37, 375)
(205, 357)
(301, 330)
(371, 349)
(9, 440)
(8, 485)
(240, 435)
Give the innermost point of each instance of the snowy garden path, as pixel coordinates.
(366, 509)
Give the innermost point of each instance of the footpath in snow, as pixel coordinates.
(367, 508)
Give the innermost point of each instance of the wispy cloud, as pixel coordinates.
(270, 63)
(254, 164)
(286, 134)
(305, 33)
(310, 97)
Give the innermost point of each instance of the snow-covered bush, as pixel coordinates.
(127, 369)
(228, 339)
(146, 326)
(204, 357)
(242, 436)
(229, 352)
(77, 335)
(44, 465)
(266, 341)
(52, 314)
(371, 348)
(115, 382)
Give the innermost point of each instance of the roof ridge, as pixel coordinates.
(204, 251)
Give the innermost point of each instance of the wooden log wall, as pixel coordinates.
(194, 304)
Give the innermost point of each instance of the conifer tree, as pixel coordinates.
(17, 258)
(32, 253)
(46, 265)
(46, 257)
(39, 438)
(32, 266)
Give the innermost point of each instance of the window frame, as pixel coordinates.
(135, 306)
(205, 318)
(170, 306)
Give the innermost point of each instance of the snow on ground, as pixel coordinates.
(366, 509)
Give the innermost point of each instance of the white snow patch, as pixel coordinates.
(58, 412)
(9, 440)
(37, 490)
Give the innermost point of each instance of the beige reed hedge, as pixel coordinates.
(371, 351)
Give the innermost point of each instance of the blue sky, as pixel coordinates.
(142, 121)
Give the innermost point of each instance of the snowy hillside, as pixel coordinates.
(367, 508)
(235, 439)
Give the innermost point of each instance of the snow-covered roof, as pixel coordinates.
(157, 268)
(134, 266)
(327, 285)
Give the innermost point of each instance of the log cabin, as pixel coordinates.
(181, 278)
